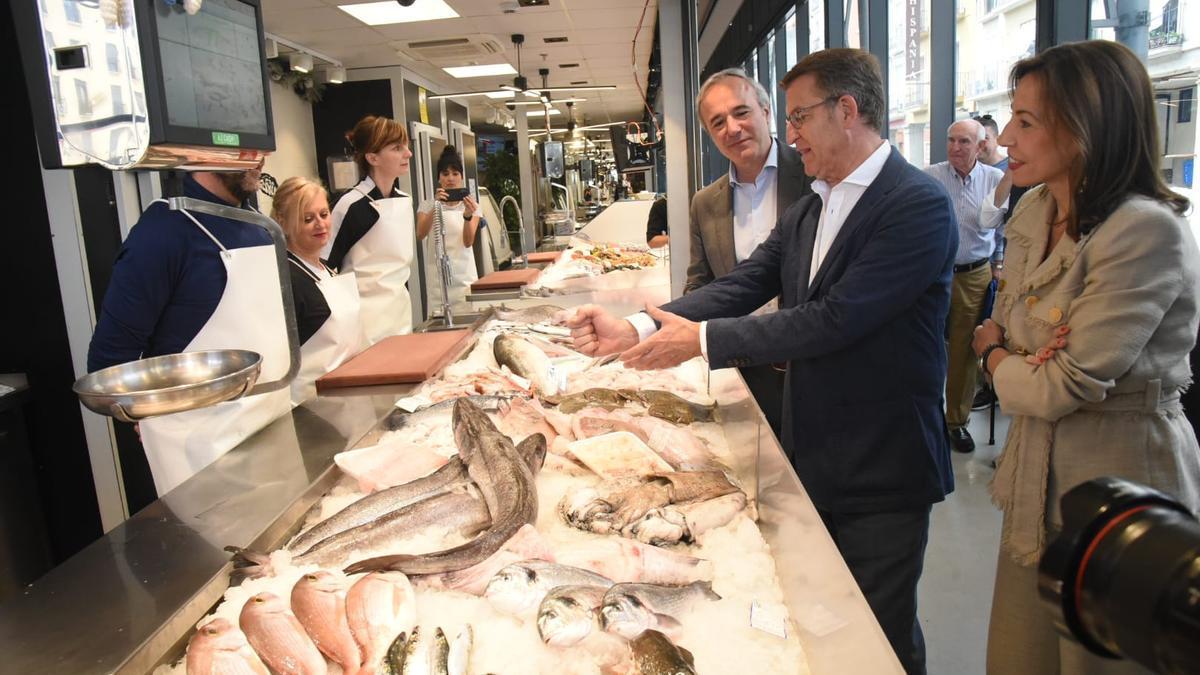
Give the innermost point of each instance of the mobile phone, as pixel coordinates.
(457, 194)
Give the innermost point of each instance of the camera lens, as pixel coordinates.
(1124, 577)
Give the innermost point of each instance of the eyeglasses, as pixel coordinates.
(799, 116)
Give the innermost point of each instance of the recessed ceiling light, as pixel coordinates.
(539, 113)
(481, 71)
(554, 39)
(500, 94)
(580, 82)
(568, 65)
(381, 13)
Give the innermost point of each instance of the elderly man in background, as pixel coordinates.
(970, 183)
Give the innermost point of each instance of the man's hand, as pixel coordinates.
(677, 341)
(596, 332)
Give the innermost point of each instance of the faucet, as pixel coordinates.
(520, 222)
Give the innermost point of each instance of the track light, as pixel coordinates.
(300, 62)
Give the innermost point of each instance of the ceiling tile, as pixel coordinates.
(323, 18)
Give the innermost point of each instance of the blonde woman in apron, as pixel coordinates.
(461, 218)
(327, 305)
(372, 233)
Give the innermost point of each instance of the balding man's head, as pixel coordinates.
(964, 140)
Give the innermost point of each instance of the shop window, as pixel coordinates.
(118, 100)
(1187, 98)
(81, 98)
(114, 58)
(816, 25)
(988, 44)
(909, 78)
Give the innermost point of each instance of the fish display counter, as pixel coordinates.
(527, 511)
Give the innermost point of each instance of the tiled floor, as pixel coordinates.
(955, 594)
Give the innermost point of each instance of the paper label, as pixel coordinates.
(412, 403)
(769, 618)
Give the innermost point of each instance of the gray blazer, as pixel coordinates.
(711, 218)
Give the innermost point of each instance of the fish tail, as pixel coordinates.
(250, 564)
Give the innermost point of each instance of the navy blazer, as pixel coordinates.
(863, 418)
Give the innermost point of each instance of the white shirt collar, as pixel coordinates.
(863, 175)
(772, 161)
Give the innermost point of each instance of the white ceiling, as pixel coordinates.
(599, 38)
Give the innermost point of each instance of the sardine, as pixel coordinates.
(502, 476)
(393, 661)
(527, 360)
(379, 607)
(412, 664)
(629, 609)
(567, 614)
(219, 648)
(654, 654)
(279, 638)
(439, 657)
(518, 588)
(459, 660)
(319, 603)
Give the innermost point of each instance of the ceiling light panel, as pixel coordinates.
(488, 70)
(383, 13)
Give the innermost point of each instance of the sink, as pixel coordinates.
(461, 321)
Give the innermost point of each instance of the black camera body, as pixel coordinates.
(1123, 578)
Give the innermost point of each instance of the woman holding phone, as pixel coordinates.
(462, 220)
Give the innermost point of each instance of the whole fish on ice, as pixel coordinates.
(519, 587)
(220, 648)
(278, 637)
(319, 603)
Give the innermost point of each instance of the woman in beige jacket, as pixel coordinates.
(1096, 314)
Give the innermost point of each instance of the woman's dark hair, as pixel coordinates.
(373, 134)
(1098, 98)
(449, 160)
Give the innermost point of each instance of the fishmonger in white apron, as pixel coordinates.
(249, 316)
(338, 339)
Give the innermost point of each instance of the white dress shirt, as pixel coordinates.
(971, 195)
(754, 205)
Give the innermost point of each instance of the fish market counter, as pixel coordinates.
(129, 602)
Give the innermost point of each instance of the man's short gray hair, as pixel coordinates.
(981, 136)
(760, 92)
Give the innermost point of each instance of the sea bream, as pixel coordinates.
(279, 638)
(568, 614)
(503, 478)
(629, 609)
(379, 607)
(518, 588)
(219, 648)
(319, 603)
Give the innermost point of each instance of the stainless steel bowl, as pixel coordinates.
(169, 384)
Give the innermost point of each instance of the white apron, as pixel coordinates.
(380, 262)
(462, 260)
(248, 316)
(338, 339)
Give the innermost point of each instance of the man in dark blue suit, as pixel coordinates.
(863, 271)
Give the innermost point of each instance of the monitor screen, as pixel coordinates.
(212, 67)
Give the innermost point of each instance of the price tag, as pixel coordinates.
(412, 403)
(769, 618)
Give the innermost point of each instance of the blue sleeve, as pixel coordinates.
(898, 264)
(144, 276)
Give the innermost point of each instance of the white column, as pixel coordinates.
(678, 82)
(528, 197)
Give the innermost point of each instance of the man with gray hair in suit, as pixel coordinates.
(733, 215)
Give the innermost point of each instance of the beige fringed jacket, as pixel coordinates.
(1108, 404)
